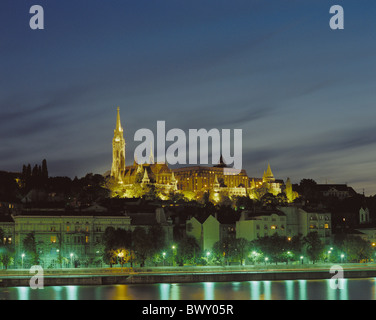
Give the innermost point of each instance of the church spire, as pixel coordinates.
(151, 158)
(269, 172)
(118, 123)
(118, 150)
(145, 179)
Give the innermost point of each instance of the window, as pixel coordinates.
(326, 226)
(273, 227)
(53, 239)
(87, 239)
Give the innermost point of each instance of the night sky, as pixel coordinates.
(303, 94)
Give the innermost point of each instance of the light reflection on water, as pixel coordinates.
(353, 289)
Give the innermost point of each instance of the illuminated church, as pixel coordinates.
(134, 180)
(153, 174)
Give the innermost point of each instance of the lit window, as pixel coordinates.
(53, 239)
(326, 226)
(273, 227)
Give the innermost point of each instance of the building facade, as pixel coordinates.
(71, 238)
(302, 222)
(262, 224)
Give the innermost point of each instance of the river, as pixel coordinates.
(353, 289)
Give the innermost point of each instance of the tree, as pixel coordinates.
(6, 251)
(244, 203)
(123, 256)
(30, 249)
(273, 247)
(357, 249)
(114, 240)
(295, 246)
(314, 246)
(226, 250)
(308, 189)
(188, 252)
(156, 237)
(44, 172)
(242, 247)
(141, 245)
(269, 200)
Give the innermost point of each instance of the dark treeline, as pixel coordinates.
(36, 186)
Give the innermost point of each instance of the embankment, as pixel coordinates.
(111, 278)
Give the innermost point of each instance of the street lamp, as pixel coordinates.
(288, 256)
(164, 257)
(301, 258)
(342, 256)
(174, 254)
(22, 256)
(71, 257)
(121, 255)
(329, 252)
(266, 260)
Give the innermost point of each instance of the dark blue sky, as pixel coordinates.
(303, 94)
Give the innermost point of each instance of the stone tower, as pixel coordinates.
(118, 150)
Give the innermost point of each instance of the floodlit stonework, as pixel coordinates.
(158, 179)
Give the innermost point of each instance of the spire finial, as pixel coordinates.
(151, 158)
(118, 123)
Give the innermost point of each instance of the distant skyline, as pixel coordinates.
(302, 93)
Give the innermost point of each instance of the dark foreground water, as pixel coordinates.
(353, 289)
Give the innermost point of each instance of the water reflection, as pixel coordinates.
(23, 293)
(209, 291)
(72, 292)
(350, 289)
(255, 290)
(290, 290)
(268, 290)
(164, 291)
(302, 289)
